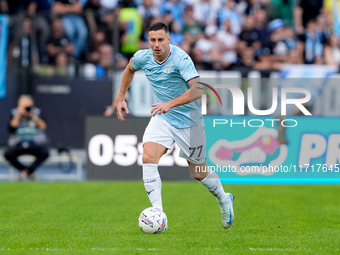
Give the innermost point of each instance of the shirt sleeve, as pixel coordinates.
(136, 60)
(187, 68)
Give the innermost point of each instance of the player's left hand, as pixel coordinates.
(160, 108)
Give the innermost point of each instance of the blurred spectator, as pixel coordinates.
(228, 42)
(276, 50)
(304, 11)
(295, 57)
(313, 43)
(261, 27)
(283, 9)
(186, 47)
(245, 63)
(143, 42)
(239, 25)
(15, 8)
(131, 24)
(107, 58)
(3, 6)
(323, 25)
(331, 7)
(175, 7)
(166, 18)
(97, 39)
(176, 34)
(60, 67)
(58, 42)
(267, 6)
(26, 43)
(93, 11)
(252, 6)
(98, 17)
(74, 24)
(198, 58)
(61, 63)
(291, 39)
(192, 30)
(249, 35)
(278, 45)
(205, 13)
(157, 3)
(332, 51)
(207, 51)
(12, 6)
(216, 60)
(101, 68)
(228, 12)
(39, 10)
(147, 11)
(107, 11)
(207, 43)
(27, 136)
(109, 4)
(189, 2)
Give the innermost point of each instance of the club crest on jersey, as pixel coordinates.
(168, 68)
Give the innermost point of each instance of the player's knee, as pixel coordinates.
(149, 159)
(199, 175)
(198, 172)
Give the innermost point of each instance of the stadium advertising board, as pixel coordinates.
(66, 102)
(250, 149)
(3, 53)
(114, 150)
(244, 125)
(271, 137)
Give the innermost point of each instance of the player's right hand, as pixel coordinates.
(121, 108)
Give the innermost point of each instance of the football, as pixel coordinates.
(152, 221)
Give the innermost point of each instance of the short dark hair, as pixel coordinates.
(158, 26)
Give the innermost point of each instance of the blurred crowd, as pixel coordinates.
(218, 34)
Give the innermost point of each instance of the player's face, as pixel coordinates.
(160, 43)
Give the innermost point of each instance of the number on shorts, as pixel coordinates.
(194, 149)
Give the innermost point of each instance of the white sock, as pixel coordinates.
(153, 184)
(214, 185)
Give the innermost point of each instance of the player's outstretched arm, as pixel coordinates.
(128, 74)
(119, 102)
(189, 96)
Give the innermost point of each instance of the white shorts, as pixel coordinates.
(191, 140)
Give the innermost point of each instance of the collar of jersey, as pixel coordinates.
(161, 63)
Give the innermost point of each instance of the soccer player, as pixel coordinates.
(176, 116)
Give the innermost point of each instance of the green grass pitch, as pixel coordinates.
(101, 218)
